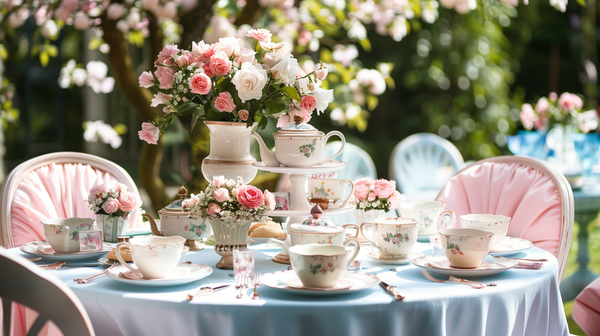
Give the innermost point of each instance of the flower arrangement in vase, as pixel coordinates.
(231, 81)
(230, 207)
(112, 206)
(379, 194)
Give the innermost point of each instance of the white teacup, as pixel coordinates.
(155, 257)
(306, 234)
(63, 233)
(426, 213)
(395, 237)
(322, 265)
(331, 189)
(465, 248)
(498, 224)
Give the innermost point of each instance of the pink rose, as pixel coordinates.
(306, 115)
(243, 114)
(300, 73)
(120, 187)
(218, 181)
(224, 102)
(527, 116)
(200, 83)
(552, 96)
(250, 197)
(128, 201)
(304, 37)
(308, 102)
(170, 50)
(570, 101)
(146, 79)
(269, 200)
(371, 197)
(220, 64)
(541, 121)
(261, 35)
(213, 209)
(99, 189)
(221, 194)
(364, 181)
(361, 191)
(207, 71)
(211, 50)
(165, 76)
(111, 205)
(395, 200)
(384, 188)
(542, 105)
(283, 120)
(149, 133)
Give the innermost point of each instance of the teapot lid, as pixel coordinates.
(176, 205)
(298, 128)
(316, 220)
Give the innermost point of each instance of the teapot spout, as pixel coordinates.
(281, 244)
(267, 156)
(153, 226)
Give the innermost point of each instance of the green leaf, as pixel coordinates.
(198, 113)
(275, 105)
(211, 114)
(291, 92)
(187, 106)
(581, 2)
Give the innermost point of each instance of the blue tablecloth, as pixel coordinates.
(525, 302)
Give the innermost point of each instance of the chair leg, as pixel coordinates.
(6, 318)
(37, 326)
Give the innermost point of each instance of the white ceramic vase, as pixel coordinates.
(229, 236)
(229, 152)
(112, 227)
(368, 216)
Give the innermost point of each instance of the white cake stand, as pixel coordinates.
(299, 205)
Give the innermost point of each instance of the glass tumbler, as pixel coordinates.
(243, 263)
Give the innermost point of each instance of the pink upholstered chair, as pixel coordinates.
(532, 192)
(586, 310)
(53, 186)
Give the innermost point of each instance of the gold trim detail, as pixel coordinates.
(226, 162)
(225, 123)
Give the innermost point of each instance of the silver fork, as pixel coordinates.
(91, 277)
(432, 278)
(256, 279)
(241, 284)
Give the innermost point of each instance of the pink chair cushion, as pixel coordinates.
(53, 191)
(586, 310)
(523, 193)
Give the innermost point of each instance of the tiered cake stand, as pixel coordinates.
(300, 207)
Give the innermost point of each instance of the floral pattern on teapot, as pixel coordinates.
(307, 149)
(328, 240)
(197, 229)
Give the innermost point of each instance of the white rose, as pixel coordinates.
(286, 70)
(246, 55)
(82, 21)
(49, 29)
(249, 81)
(134, 18)
(323, 97)
(271, 59)
(229, 45)
(79, 76)
(302, 86)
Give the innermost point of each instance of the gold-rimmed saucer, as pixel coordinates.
(394, 261)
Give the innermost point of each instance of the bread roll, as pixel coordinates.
(268, 231)
(125, 253)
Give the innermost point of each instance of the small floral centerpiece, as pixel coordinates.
(231, 201)
(376, 195)
(231, 81)
(566, 110)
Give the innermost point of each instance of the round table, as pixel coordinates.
(524, 302)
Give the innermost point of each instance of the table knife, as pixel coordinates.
(392, 290)
(205, 291)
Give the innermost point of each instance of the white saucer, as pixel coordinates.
(32, 249)
(394, 261)
(496, 267)
(278, 280)
(340, 285)
(511, 245)
(331, 165)
(305, 213)
(196, 272)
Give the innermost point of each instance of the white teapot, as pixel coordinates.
(297, 145)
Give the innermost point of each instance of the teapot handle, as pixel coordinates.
(327, 136)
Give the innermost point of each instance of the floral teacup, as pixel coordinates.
(465, 248)
(393, 236)
(426, 213)
(63, 233)
(331, 189)
(498, 224)
(155, 257)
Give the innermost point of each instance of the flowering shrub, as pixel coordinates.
(230, 200)
(113, 202)
(376, 195)
(564, 110)
(229, 81)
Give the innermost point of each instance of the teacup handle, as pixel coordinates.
(327, 136)
(354, 252)
(121, 260)
(357, 230)
(349, 197)
(66, 238)
(362, 231)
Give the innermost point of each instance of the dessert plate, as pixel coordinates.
(328, 166)
(33, 248)
(394, 261)
(278, 280)
(440, 265)
(183, 274)
(511, 245)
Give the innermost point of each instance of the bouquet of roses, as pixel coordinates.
(376, 195)
(113, 202)
(231, 200)
(564, 110)
(229, 81)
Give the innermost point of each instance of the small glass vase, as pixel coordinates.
(112, 227)
(229, 236)
(363, 216)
